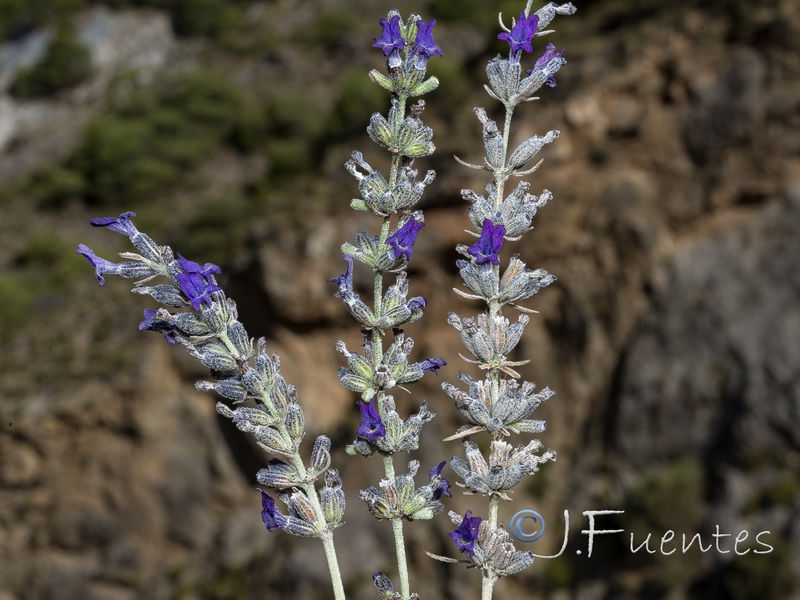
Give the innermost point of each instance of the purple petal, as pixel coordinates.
(150, 323)
(443, 487)
(465, 534)
(547, 56)
(372, 426)
(488, 246)
(101, 265)
(424, 40)
(402, 240)
(121, 224)
(416, 303)
(433, 364)
(520, 36)
(391, 40)
(197, 289)
(207, 270)
(345, 281)
(270, 515)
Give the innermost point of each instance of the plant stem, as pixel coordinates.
(487, 586)
(333, 566)
(489, 578)
(327, 539)
(494, 504)
(377, 351)
(399, 541)
(402, 566)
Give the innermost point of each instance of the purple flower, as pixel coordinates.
(402, 240)
(520, 36)
(101, 265)
(207, 270)
(270, 515)
(416, 303)
(424, 41)
(197, 289)
(433, 364)
(197, 281)
(371, 427)
(488, 245)
(345, 280)
(391, 40)
(443, 487)
(547, 56)
(150, 323)
(465, 534)
(121, 224)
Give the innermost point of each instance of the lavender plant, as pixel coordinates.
(196, 313)
(500, 404)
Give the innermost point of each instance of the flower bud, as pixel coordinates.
(295, 422)
(383, 585)
(238, 337)
(332, 498)
(279, 475)
(321, 454)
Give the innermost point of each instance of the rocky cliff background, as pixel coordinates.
(671, 337)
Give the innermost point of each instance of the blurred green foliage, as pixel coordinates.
(16, 303)
(142, 146)
(783, 491)
(210, 18)
(453, 78)
(668, 497)
(358, 98)
(20, 17)
(190, 18)
(479, 14)
(766, 577)
(329, 28)
(558, 573)
(44, 267)
(65, 64)
(295, 127)
(215, 229)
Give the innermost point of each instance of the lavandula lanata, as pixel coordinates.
(500, 404)
(407, 46)
(212, 334)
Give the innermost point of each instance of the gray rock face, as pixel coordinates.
(713, 370)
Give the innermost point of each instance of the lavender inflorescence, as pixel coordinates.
(500, 404)
(407, 46)
(212, 333)
(197, 314)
